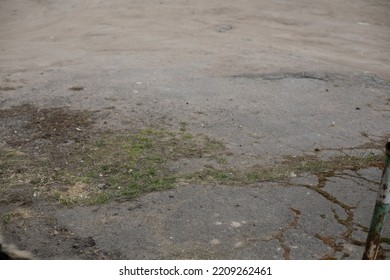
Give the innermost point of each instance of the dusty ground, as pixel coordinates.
(256, 127)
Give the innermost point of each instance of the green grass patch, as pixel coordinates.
(126, 165)
(111, 166)
(284, 171)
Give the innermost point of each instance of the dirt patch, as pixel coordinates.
(35, 143)
(27, 125)
(53, 158)
(54, 152)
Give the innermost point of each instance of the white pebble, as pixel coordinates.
(215, 242)
(235, 224)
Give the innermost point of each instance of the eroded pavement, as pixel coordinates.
(268, 84)
(298, 220)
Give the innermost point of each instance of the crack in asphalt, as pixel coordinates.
(326, 77)
(280, 235)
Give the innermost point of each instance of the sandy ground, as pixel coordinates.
(269, 79)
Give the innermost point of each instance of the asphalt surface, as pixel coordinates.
(260, 77)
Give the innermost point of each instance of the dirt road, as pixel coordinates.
(272, 114)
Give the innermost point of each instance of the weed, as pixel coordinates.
(127, 165)
(7, 218)
(222, 160)
(183, 126)
(296, 165)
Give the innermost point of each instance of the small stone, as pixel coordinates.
(235, 224)
(215, 242)
(76, 88)
(224, 28)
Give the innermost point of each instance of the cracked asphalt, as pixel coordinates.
(296, 220)
(258, 76)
